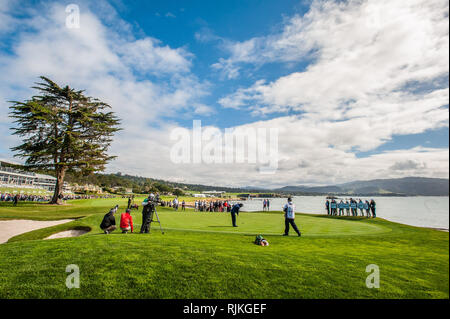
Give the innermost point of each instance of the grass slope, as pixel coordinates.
(200, 256)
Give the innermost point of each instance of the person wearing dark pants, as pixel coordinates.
(289, 215)
(109, 221)
(15, 200)
(147, 214)
(372, 208)
(234, 212)
(333, 206)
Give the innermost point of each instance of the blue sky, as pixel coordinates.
(177, 25)
(354, 87)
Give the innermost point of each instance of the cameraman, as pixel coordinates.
(147, 213)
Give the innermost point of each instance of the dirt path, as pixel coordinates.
(11, 228)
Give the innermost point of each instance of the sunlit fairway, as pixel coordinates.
(202, 256)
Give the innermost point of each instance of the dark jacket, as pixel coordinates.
(108, 220)
(235, 209)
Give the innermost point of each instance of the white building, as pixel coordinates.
(214, 193)
(15, 177)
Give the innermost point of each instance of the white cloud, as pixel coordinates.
(104, 61)
(202, 109)
(352, 96)
(305, 157)
(147, 55)
(369, 58)
(378, 69)
(362, 50)
(7, 22)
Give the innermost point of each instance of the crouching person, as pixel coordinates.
(126, 222)
(109, 221)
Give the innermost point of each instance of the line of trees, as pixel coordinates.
(139, 185)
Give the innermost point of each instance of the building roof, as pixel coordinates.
(44, 176)
(8, 161)
(25, 173)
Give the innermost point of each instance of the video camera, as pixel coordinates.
(154, 199)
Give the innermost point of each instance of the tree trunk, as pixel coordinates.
(60, 173)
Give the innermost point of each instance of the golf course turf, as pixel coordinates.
(202, 256)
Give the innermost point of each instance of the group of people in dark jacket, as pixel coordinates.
(351, 206)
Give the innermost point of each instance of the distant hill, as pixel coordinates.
(407, 186)
(140, 184)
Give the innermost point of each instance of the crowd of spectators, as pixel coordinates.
(212, 206)
(11, 197)
(8, 197)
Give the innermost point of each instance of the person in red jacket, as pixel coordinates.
(126, 222)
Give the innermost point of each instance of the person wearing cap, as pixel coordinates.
(234, 212)
(289, 218)
(109, 221)
(126, 222)
(147, 213)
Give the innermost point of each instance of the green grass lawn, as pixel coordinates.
(201, 256)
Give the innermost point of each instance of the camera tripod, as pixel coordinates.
(158, 221)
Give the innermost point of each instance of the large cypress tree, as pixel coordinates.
(64, 130)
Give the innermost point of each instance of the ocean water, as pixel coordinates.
(423, 211)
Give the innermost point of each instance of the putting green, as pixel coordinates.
(249, 223)
(264, 223)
